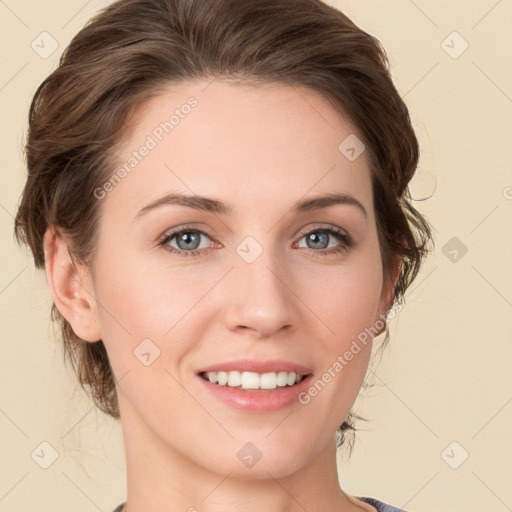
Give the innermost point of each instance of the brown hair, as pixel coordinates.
(132, 49)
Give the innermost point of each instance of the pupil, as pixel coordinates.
(188, 238)
(316, 238)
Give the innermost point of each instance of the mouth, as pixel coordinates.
(253, 381)
(256, 386)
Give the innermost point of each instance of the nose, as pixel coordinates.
(261, 299)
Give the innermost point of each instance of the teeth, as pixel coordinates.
(234, 379)
(282, 378)
(252, 380)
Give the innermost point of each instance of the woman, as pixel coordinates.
(218, 192)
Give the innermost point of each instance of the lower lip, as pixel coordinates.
(258, 401)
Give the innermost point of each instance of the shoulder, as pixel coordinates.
(381, 506)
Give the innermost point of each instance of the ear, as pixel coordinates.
(388, 287)
(71, 286)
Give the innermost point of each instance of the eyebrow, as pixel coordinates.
(215, 206)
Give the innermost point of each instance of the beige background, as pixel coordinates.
(447, 373)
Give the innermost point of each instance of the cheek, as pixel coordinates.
(349, 299)
(138, 301)
(349, 307)
(143, 319)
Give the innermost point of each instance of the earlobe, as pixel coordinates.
(71, 286)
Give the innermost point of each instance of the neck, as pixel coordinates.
(161, 479)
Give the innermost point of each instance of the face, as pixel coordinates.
(255, 278)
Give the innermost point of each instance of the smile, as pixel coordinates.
(253, 380)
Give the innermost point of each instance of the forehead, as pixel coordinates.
(240, 142)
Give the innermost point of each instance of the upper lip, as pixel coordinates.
(253, 365)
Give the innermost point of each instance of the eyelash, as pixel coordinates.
(346, 241)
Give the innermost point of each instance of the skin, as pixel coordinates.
(259, 149)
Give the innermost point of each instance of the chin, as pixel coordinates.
(255, 456)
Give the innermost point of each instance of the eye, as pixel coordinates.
(187, 240)
(319, 239)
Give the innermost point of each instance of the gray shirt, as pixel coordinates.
(380, 506)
